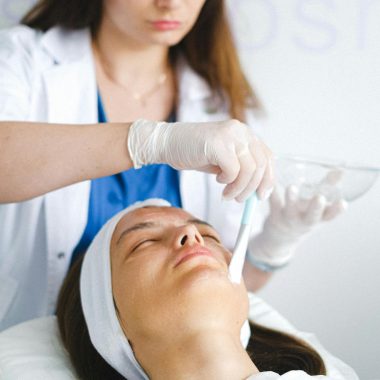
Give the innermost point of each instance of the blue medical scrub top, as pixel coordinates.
(109, 195)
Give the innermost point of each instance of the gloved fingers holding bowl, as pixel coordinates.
(291, 217)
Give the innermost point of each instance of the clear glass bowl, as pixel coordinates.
(333, 179)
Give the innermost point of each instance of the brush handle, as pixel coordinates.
(249, 208)
(240, 250)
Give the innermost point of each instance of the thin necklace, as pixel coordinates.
(140, 97)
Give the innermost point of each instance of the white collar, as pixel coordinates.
(65, 45)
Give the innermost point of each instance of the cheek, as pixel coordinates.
(126, 16)
(223, 253)
(140, 304)
(195, 9)
(136, 287)
(113, 7)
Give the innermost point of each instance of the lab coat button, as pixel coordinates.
(61, 255)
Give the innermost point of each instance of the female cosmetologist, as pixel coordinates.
(75, 64)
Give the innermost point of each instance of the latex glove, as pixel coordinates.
(226, 148)
(290, 219)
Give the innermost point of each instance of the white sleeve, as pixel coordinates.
(16, 67)
(265, 315)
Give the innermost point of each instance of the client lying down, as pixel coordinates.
(153, 300)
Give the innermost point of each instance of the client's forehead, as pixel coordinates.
(165, 215)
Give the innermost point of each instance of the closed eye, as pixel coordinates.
(211, 237)
(141, 243)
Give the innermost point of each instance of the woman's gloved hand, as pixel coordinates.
(228, 149)
(289, 220)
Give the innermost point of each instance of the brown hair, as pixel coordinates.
(270, 350)
(209, 47)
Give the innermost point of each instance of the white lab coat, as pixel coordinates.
(50, 77)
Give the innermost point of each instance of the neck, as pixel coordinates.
(211, 355)
(126, 58)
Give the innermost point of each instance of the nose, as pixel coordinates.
(188, 235)
(168, 4)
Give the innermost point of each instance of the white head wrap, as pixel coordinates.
(99, 311)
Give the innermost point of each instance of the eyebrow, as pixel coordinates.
(136, 227)
(200, 222)
(147, 225)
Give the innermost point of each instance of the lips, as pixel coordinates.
(166, 25)
(192, 253)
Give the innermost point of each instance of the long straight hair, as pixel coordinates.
(209, 47)
(270, 350)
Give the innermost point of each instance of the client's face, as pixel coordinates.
(170, 275)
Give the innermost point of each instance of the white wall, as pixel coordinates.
(316, 66)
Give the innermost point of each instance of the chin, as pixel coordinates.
(203, 279)
(209, 296)
(169, 39)
(212, 280)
